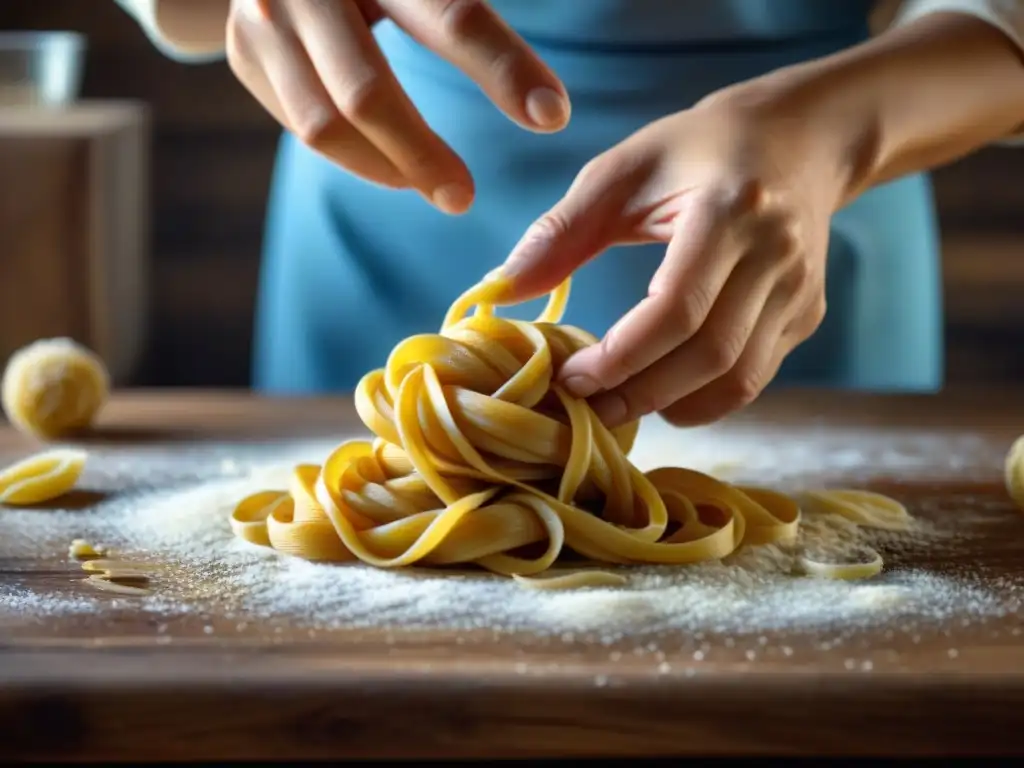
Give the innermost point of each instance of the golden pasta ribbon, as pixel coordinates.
(478, 457)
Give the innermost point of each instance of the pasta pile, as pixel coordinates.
(479, 457)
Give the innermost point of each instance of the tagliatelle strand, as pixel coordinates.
(479, 458)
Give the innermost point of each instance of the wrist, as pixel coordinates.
(800, 126)
(914, 98)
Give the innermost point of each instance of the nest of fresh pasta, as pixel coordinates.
(478, 458)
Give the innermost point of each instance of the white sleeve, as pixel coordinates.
(145, 13)
(1005, 15)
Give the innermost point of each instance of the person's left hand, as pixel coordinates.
(742, 191)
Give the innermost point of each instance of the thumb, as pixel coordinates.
(586, 221)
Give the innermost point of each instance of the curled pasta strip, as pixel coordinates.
(478, 457)
(862, 508)
(118, 576)
(119, 583)
(1014, 472)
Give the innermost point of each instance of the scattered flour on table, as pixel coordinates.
(172, 507)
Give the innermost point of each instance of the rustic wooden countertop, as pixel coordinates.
(113, 690)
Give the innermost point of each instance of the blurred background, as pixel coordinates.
(132, 220)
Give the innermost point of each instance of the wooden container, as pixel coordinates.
(74, 208)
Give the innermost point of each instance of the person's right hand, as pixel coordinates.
(315, 66)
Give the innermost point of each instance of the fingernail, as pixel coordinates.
(452, 198)
(547, 108)
(611, 409)
(580, 386)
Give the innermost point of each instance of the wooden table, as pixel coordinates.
(116, 692)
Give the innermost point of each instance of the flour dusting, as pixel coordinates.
(171, 506)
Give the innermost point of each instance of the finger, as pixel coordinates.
(587, 220)
(697, 265)
(472, 37)
(712, 352)
(768, 346)
(271, 63)
(365, 91)
(794, 311)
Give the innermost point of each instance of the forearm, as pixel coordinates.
(184, 28)
(913, 98)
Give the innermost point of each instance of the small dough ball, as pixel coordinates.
(54, 387)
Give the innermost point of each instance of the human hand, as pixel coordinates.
(315, 66)
(741, 188)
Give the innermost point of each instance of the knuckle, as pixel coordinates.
(818, 309)
(676, 417)
(743, 196)
(595, 172)
(551, 227)
(504, 66)
(458, 19)
(692, 411)
(697, 413)
(689, 313)
(798, 273)
(719, 353)
(741, 387)
(360, 97)
(311, 123)
(791, 263)
(617, 359)
(788, 236)
(640, 402)
(812, 318)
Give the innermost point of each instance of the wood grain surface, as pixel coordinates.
(119, 689)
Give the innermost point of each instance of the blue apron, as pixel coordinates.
(351, 269)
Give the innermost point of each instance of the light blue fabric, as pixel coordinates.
(350, 269)
(679, 22)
